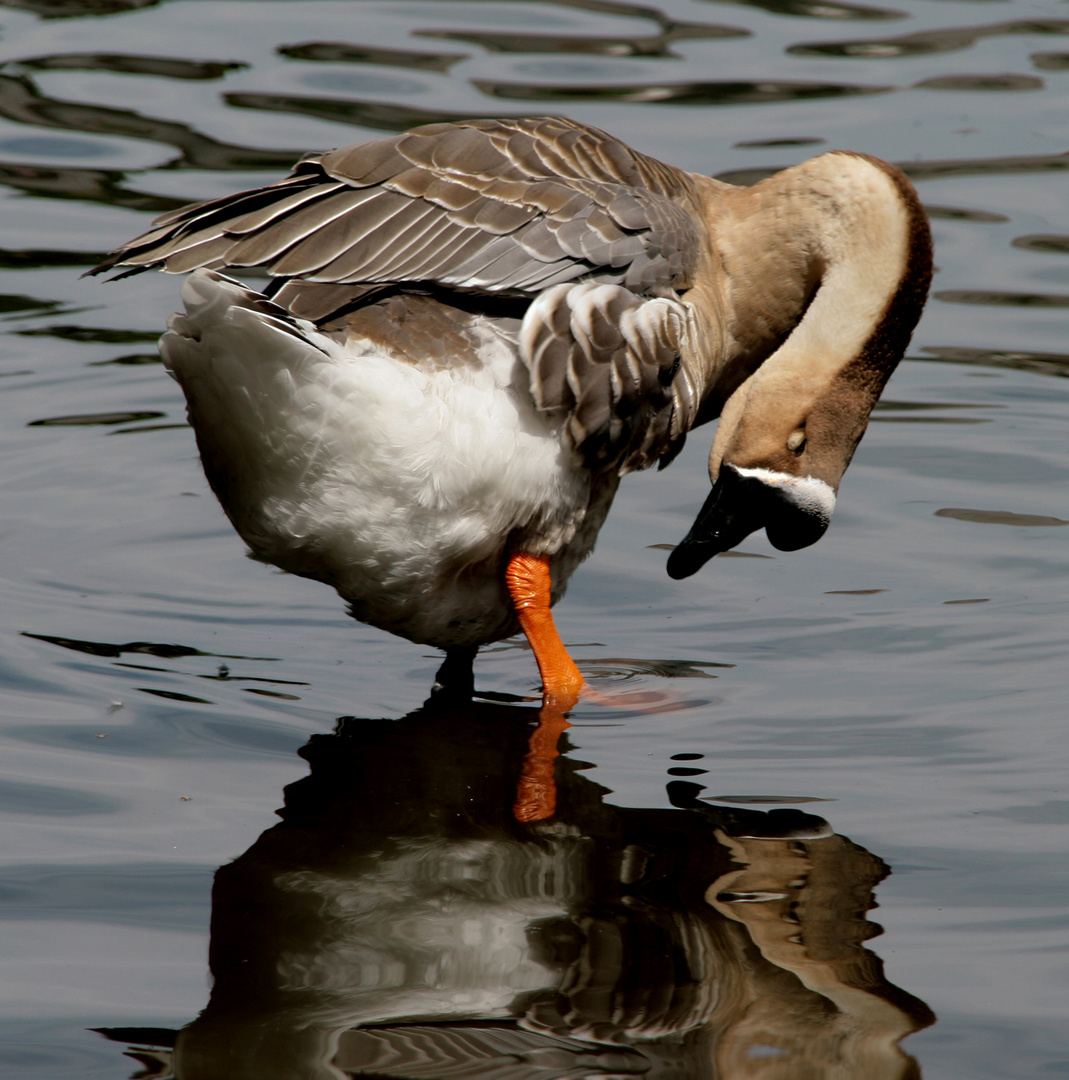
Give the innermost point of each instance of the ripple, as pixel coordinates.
(89, 185)
(1040, 363)
(996, 298)
(1046, 242)
(22, 103)
(686, 93)
(39, 258)
(96, 335)
(1006, 81)
(999, 517)
(273, 694)
(148, 427)
(889, 405)
(164, 650)
(378, 115)
(70, 9)
(765, 800)
(653, 45)
(926, 42)
(958, 213)
(761, 144)
(1050, 61)
(815, 9)
(629, 668)
(996, 166)
(16, 304)
(339, 52)
(165, 67)
(88, 419)
(174, 695)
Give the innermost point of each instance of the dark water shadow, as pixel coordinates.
(85, 185)
(1000, 517)
(665, 22)
(816, 9)
(163, 650)
(47, 258)
(1000, 298)
(1007, 81)
(91, 419)
(162, 67)
(1045, 242)
(926, 42)
(74, 9)
(341, 52)
(961, 213)
(649, 46)
(683, 93)
(22, 103)
(656, 45)
(388, 116)
(377, 115)
(1040, 363)
(1050, 61)
(399, 922)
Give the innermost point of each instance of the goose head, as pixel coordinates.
(844, 240)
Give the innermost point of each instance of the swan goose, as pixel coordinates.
(473, 330)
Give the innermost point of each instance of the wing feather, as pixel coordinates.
(606, 359)
(544, 183)
(600, 240)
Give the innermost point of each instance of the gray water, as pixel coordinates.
(892, 698)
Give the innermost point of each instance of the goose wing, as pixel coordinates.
(505, 207)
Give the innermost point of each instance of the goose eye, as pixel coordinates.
(796, 441)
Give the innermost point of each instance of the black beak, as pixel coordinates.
(737, 506)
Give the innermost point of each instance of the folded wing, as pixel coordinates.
(505, 208)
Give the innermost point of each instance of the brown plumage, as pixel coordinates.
(638, 301)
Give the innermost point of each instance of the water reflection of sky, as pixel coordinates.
(909, 668)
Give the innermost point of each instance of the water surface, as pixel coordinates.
(909, 671)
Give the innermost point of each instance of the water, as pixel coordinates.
(909, 671)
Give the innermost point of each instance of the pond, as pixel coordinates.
(877, 720)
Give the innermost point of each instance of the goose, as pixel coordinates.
(473, 330)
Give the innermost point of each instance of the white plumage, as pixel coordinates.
(399, 484)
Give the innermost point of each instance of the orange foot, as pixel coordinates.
(528, 581)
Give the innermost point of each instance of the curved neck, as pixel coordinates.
(825, 268)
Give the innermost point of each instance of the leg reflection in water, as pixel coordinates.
(400, 922)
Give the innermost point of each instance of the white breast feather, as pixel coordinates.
(389, 481)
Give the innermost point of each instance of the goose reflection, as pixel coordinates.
(399, 922)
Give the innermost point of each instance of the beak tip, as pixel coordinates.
(686, 560)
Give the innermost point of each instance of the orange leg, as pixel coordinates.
(527, 578)
(536, 789)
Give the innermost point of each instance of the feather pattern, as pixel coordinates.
(514, 207)
(477, 328)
